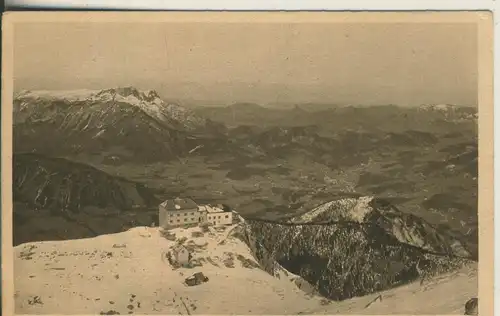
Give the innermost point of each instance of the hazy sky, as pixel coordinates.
(340, 63)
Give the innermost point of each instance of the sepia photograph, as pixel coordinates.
(247, 163)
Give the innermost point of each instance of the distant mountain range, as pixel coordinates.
(335, 118)
(125, 124)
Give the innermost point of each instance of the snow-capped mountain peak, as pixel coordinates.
(67, 95)
(451, 112)
(89, 94)
(148, 101)
(437, 107)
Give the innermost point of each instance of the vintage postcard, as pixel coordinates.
(247, 163)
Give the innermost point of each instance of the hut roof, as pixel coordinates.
(179, 204)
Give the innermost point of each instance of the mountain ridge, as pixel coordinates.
(148, 101)
(344, 257)
(55, 199)
(123, 123)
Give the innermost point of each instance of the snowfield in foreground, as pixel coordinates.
(128, 273)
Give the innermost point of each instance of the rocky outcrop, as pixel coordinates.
(196, 279)
(471, 307)
(354, 246)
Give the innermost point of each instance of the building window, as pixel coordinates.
(171, 222)
(185, 219)
(178, 220)
(227, 216)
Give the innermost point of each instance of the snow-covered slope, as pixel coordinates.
(443, 295)
(127, 273)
